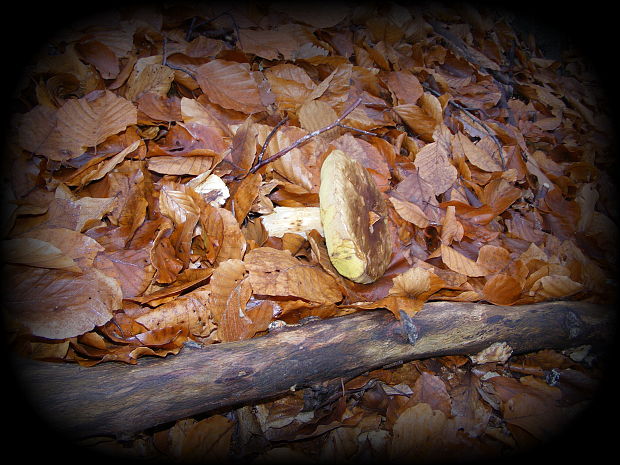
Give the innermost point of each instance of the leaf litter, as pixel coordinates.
(142, 214)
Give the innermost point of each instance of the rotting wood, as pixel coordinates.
(112, 398)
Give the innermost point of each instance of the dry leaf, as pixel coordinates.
(34, 252)
(230, 85)
(190, 312)
(405, 87)
(89, 121)
(275, 272)
(555, 287)
(423, 117)
(451, 229)
(412, 282)
(316, 114)
(83, 176)
(418, 433)
(58, 304)
(502, 289)
(435, 167)
(410, 212)
(224, 281)
(149, 76)
(458, 262)
(493, 258)
(476, 156)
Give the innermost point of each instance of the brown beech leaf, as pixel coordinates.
(493, 258)
(224, 281)
(188, 279)
(190, 311)
(35, 252)
(230, 85)
(209, 437)
(91, 173)
(458, 262)
(243, 149)
(499, 194)
(413, 282)
(368, 156)
(556, 287)
(178, 205)
(502, 289)
(233, 241)
(77, 246)
(405, 87)
(159, 108)
(38, 134)
(451, 229)
(277, 273)
(270, 44)
(132, 269)
(410, 212)
(179, 165)
(435, 168)
(430, 427)
(299, 165)
(423, 117)
(100, 56)
(78, 214)
(234, 323)
(417, 190)
(244, 196)
(58, 304)
(431, 389)
(291, 85)
(90, 120)
(476, 156)
(316, 114)
(149, 76)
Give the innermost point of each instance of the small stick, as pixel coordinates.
(305, 138)
(361, 131)
(269, 137)
(475, 119)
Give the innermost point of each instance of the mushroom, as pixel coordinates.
(354, 217)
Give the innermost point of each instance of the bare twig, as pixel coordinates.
(361, 131)
(476, 120)
(269, 137)
(307, 137)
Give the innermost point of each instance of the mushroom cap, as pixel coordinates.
(355, 219)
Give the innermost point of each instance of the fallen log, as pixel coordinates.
(116, 399)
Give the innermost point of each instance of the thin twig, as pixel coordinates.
(269, 137)
(305, 138)
(361, 131)
(184, 70)
(476, 120)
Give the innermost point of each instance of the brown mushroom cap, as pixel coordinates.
(354, 218)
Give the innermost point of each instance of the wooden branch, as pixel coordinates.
(113, 398)
(307, 137)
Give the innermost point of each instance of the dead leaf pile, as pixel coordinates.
(133, 224)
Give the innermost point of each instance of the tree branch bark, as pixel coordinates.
(117, 399)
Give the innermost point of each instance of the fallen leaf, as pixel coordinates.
(458, 262)
(435, 167)
(275, 272)
(89, 121)
(38, 253)
(410, 212)
(58, 304)
(230, 85)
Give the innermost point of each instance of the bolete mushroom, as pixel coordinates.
(354, 218)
